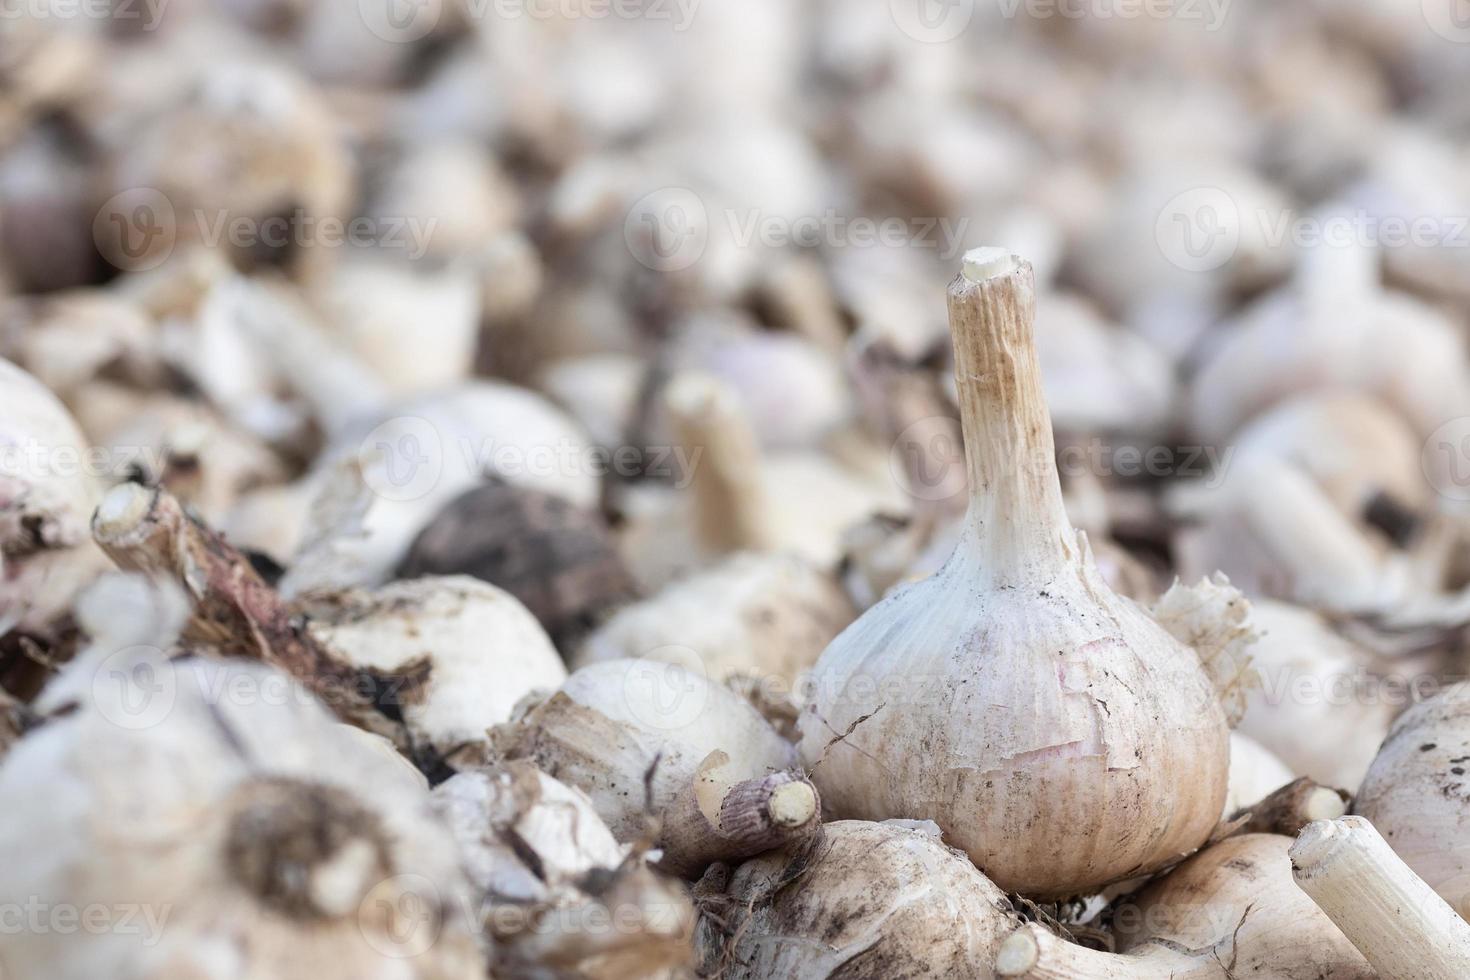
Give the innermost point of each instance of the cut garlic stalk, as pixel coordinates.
(1014, 684)
(1401, 926)
(1230, 911)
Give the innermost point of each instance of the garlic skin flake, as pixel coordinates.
(1058, 735)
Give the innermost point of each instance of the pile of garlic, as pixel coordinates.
(496, 490)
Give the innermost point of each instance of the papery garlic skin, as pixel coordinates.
(865, 901)
(1416, 789)
(253, 839)
(482, 649)
(1013, 686)
(632, 735)
(1254, 772)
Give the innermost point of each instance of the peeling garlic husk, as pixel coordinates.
(1414, 792)
(761, 616)
(634, 734)
(481, 649)
(548, 872)
(47, 494)
(1231, 910)
(1024, 685)
(865, 901)
(267, 853)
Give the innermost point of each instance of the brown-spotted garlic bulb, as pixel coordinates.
(1416, 788)
(1014, 685)
(1230, 911)
(468, 650)
(48, 490)
(275, 845)
(865, 901)
(761, 616)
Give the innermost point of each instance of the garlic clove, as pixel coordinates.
(1255, 771)
(1014, 683)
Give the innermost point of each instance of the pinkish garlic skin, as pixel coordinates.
(1014, 683)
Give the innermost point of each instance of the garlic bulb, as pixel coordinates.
(1401, 926)
(1014, 683)
(1414, 792)
(636, 736)
(550, 874)
(864, 900)
(761, 616)
(1230, 911)
(275, 846)
(1313, 680)
(48, 489)
(472, 649)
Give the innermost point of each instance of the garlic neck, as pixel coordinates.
(1037, 954)
(1017, 526)
(731, 511)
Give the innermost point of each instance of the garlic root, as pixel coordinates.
(1401, 926)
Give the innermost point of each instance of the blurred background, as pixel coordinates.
(604, 250)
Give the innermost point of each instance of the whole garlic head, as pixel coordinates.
(1054, 731)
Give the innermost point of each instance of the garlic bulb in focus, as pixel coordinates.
(866, 901)
(1416, 788)
(1013, 685)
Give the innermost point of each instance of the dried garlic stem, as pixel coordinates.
(730, 510)
(1034, 952)
(753, 816)
(1290, 808)
(234, 610)
(1397, 921)
(1016, 508)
